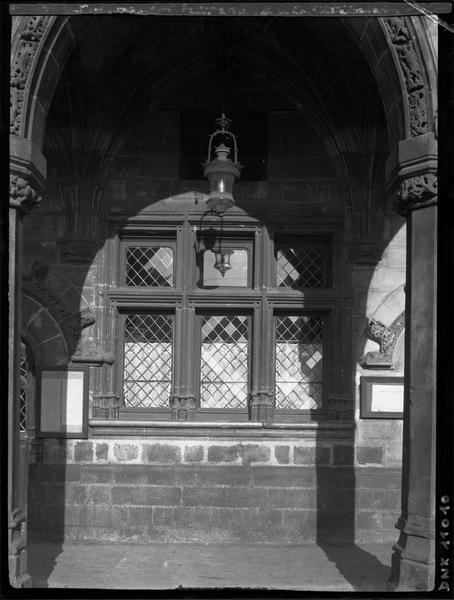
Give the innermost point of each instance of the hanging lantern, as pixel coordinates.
(221, 171)
(222, 261)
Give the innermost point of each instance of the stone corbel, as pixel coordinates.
(415, 193)
(182, 407)
(386, 338)
(22, 195)
(262, 405)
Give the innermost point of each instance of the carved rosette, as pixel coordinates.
(416, 192)
(21, 195)
(410, 66)
(21, 65)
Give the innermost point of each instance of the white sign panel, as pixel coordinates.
(387, 398)
(62, 401)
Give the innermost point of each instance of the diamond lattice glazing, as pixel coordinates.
(299, 362)
(300, 267)
(149, 267)
(147, 360)
(224, 362)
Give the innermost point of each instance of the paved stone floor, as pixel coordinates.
(168, 566)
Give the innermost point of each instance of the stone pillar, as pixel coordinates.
(22, 198)
(413, 560)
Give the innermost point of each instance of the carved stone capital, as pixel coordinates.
(105, 406)
(416, 192)
(21, 195)
(182, 407)
(262, 405)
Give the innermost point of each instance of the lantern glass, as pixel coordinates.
(222, 261)
(221, 190)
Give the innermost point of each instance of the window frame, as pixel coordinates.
(123, 314)
(216, 413)
(139, 242)
(324, 242)
(184, 232)
(287, 414)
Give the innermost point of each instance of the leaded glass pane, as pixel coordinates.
(224, 362)
(147, 360)
(299, 362)
(149, 267)
(301, 267)
(235, 277)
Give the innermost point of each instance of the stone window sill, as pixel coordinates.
(175, 429)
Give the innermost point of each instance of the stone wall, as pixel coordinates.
(213, 491)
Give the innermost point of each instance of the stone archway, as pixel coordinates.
(41, 45)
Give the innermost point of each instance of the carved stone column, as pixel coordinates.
(413, 559)
(22, 198)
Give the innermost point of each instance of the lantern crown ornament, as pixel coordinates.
(220, 170)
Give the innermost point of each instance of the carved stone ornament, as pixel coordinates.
(386, 338)
(262, 405)
(365, 253)
(410, 66)
(71, 323)
(21, 195)
(416, 192)
(183, 407)
(21, 66)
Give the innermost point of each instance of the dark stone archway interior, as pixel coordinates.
(113, 145)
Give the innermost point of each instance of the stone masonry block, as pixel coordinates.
(139, 518)
(369, 454)
(95, 473)
(310, 455)
(158, 495)
(276, 476)
(224, 475)
(282, 454)
(162, 453)
(129, 495)
(381, 499)
(223, 453)
(131, 474)
(234, 497)
(125, 452)
(99, 494)
(255, 453)
(55, 451)
(77, 494)
(83, 452)
(193, 453)
(292, 498)
(102, 451)
(343, 455)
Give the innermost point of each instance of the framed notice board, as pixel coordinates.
(382, 397)
(62, 402)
